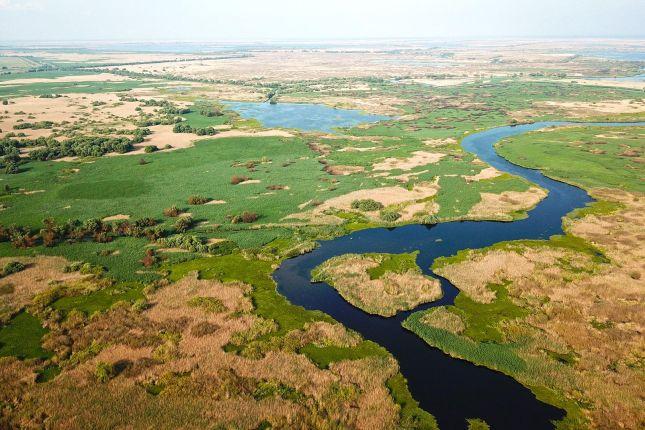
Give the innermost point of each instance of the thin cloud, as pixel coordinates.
(20, 5)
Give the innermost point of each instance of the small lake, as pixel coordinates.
(634, 78)
(303, 116)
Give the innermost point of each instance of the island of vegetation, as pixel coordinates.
(381, 284)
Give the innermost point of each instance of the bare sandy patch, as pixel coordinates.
(636, 85)
(261, 133)
(419, 210)
(216, 202)
(343, 170)
(448, 82)
(28, 193)
(440, 142)
(582, 109)
(418, 158)
(103, 109)
(118, 217)
(500, 206)
(250, 181)
(358, 149)
(39, 274)
(99, 77)
(487, 173)
(404, 177)
(384, 195)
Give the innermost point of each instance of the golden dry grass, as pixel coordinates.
(443, 319)
(39, 274)
(385, 295)
(593, 311)
(501, 206)
(168, 372)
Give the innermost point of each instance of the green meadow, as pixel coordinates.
(589, 157)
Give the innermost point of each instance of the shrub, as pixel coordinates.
(198, 200)
(183, 223)
(140, 305)
(389, 215)
(182, 127)
(367, 205)
(237, 179)
(207, 304)
(184, 241)
(224, 247)
(245, 217)
(12, 168)
(104, 371)
(84, 268)
(12, 267)
(172, 211)
(150, 258)
(150, 148)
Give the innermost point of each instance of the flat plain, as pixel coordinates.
(141, 219)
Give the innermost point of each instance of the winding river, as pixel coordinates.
(449, 388)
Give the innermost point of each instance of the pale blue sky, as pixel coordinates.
(217, 20)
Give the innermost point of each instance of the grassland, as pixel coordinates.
(589, 157)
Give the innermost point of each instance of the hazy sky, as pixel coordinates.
(217, 20)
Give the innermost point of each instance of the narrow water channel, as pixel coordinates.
(449, 388)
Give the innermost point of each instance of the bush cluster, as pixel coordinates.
(244, 217)
(77, 231)
(367, 205)
(390, 215)
(198, 200)
(238, 179)
(12, 267)
(182, 127)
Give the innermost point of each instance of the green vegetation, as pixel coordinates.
(366, 205)
(589, 157)
(101, 300)
(323, 356)
(495, 356)
(397, 263)
(412, 416)
(477, 424)
(70, 87)
(207, 304)
(482, 320)
(268, 303)
(21, 337)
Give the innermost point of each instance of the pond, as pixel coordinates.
(302, 116)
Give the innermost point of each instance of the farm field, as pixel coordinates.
(147, 200)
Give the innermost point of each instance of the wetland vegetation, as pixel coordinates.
(144, 211)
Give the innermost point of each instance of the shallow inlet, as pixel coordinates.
(449, 388)
(303, 116)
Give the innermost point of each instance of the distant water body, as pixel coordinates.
(303, 116)
(616, 55)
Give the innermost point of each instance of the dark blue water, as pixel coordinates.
(303, 116)
(451, 389)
